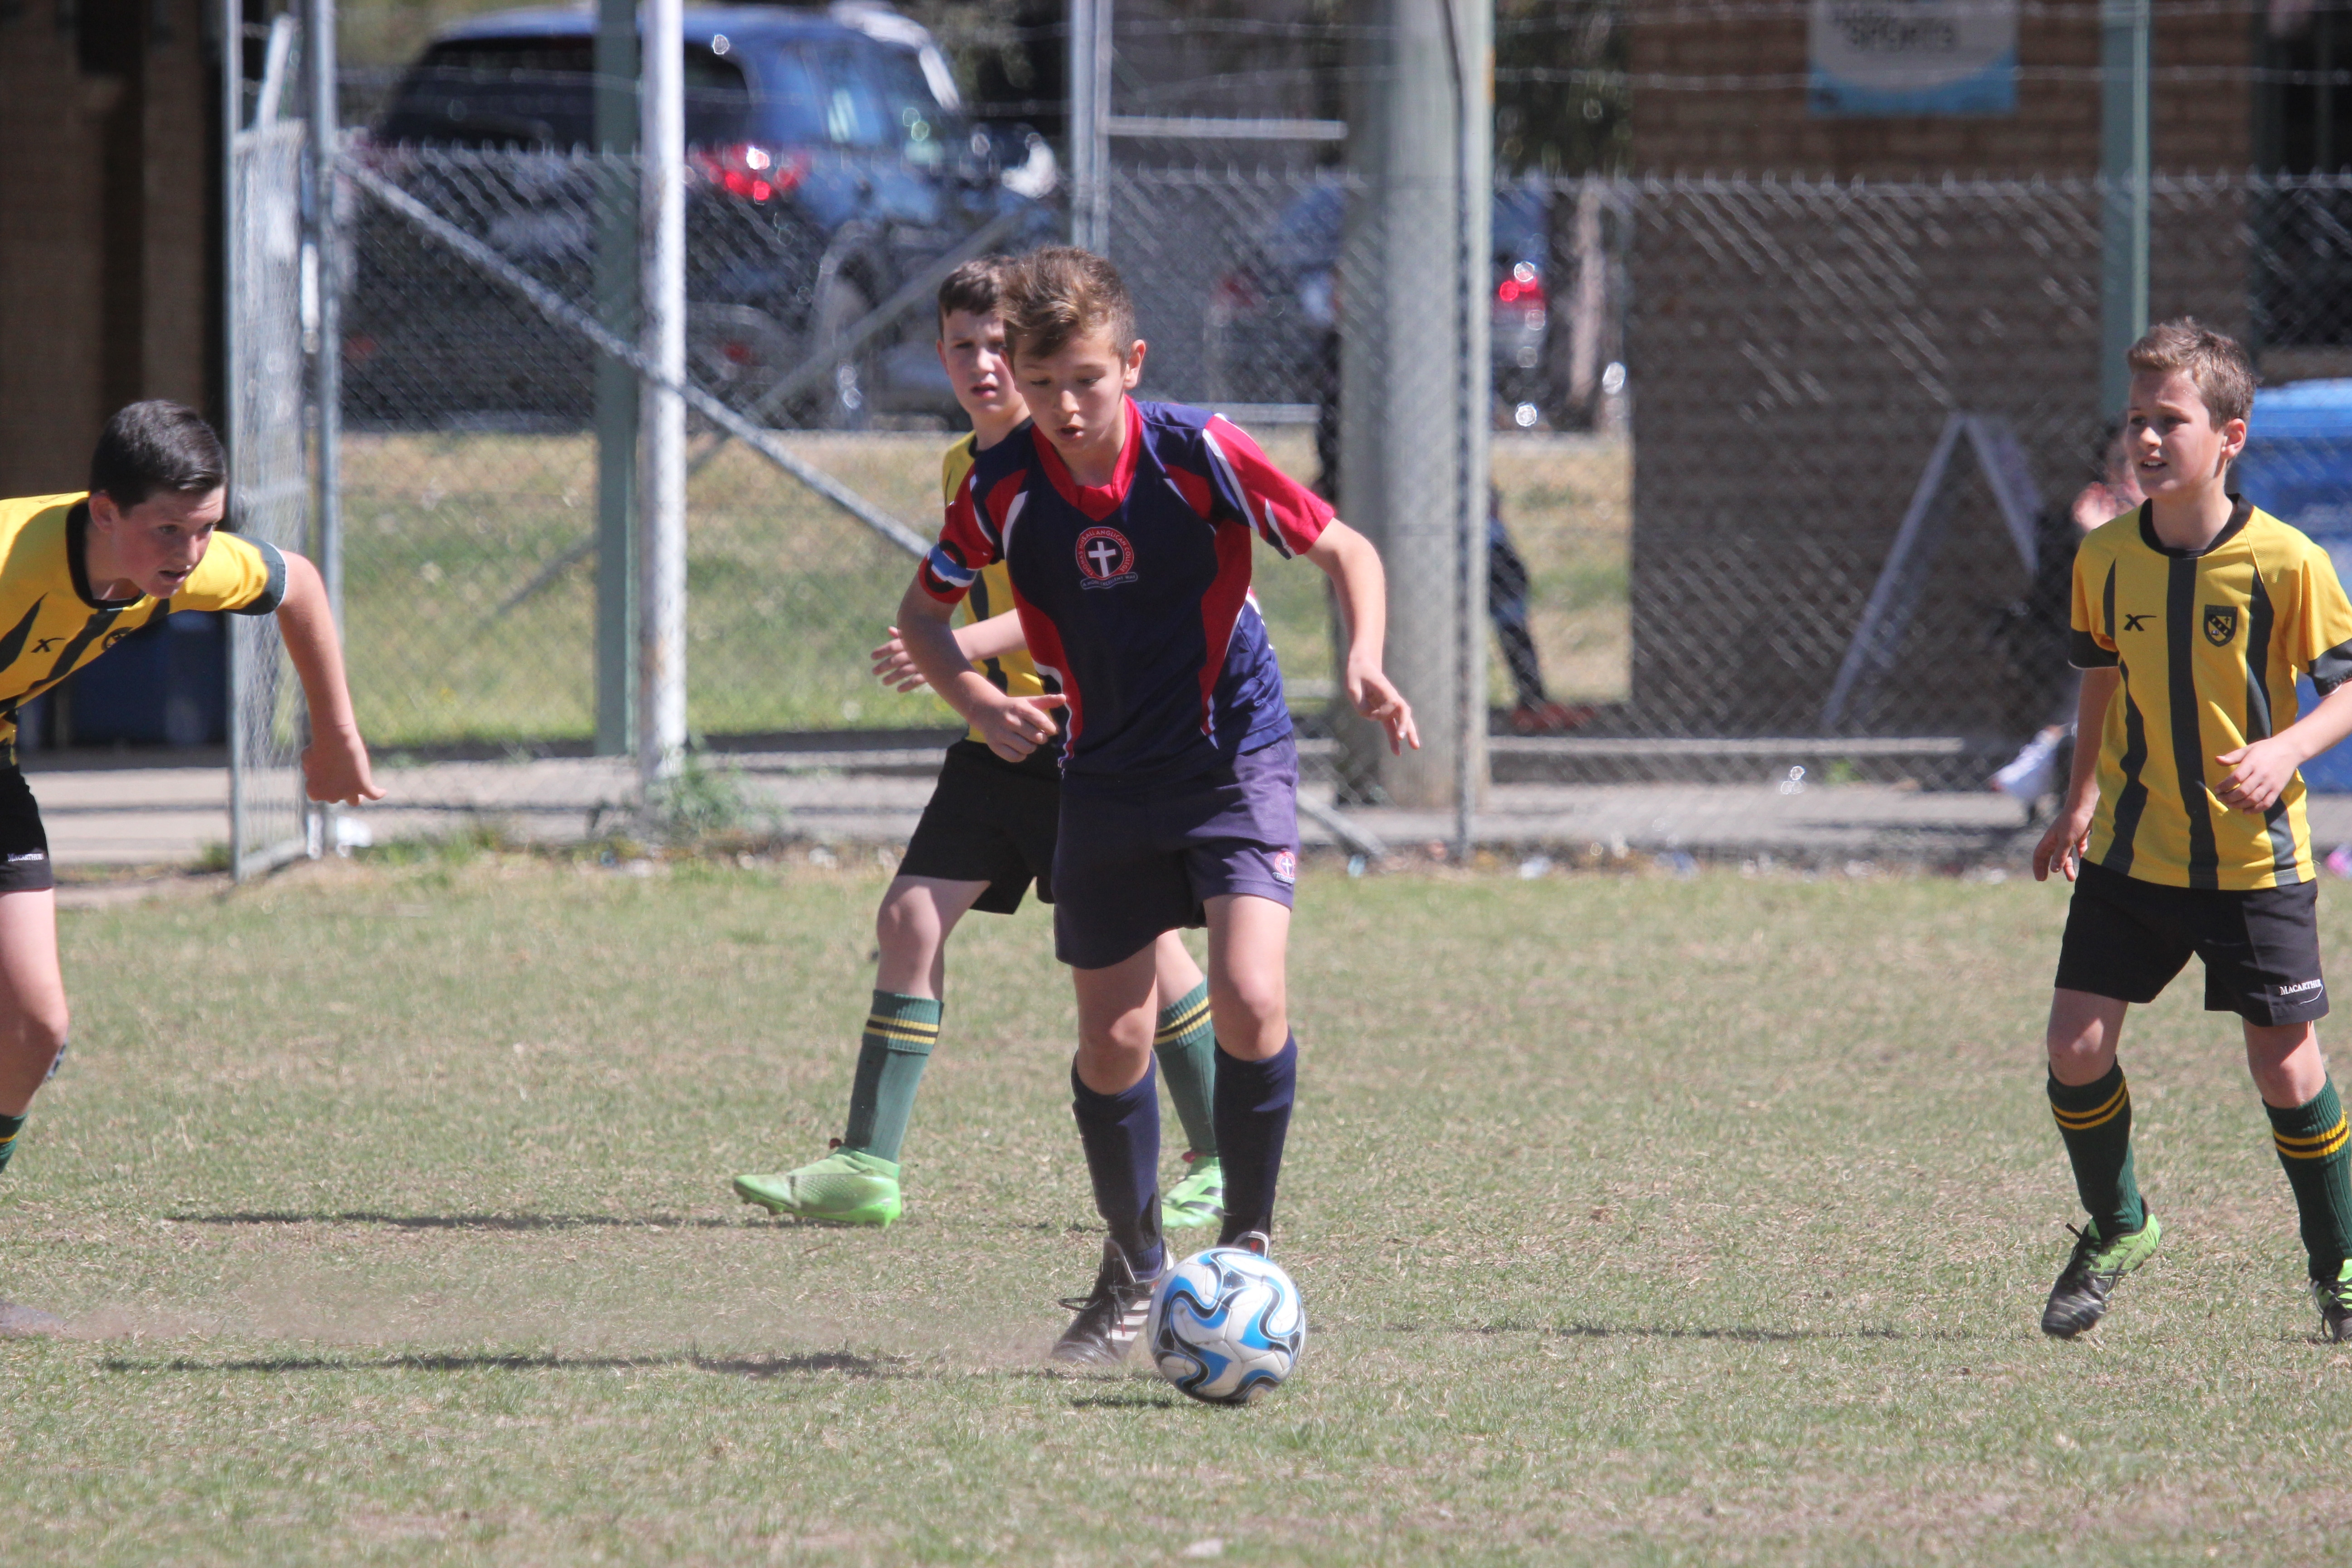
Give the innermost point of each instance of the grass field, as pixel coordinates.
(1638, 1220)
(471, 612)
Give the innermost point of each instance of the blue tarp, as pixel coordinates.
(2297, 466)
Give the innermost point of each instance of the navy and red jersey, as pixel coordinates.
(1135, 596)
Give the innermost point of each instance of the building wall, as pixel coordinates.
(107, 268)
(1799, 339)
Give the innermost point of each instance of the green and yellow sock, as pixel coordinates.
(891, 1055)
(2095, 1119)
(9, 1127)
(2315, 1145)
(1186, 1045)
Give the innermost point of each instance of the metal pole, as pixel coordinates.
(326, 361)
(1469, 34)
(1402, 344)
(2122, 191)
(232, 91)
(319, 24)
(662, 483)
(1090, 70)
(616, 383)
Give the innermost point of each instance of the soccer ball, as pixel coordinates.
(1225, 1325)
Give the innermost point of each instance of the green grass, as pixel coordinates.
(445, 533)
(1638, 1221)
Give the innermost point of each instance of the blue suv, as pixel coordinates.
(829, 161)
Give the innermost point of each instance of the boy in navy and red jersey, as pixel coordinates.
(1127, 528)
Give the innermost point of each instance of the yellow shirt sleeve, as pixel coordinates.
(2320, 639)
(246, 576)
(2091, 639)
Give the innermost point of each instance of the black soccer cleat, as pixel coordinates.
(1110, 1316)
(2079, 1299)
(2334, 1300)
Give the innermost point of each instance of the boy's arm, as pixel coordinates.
(1348, 558)
(2261, 770)
(335, 764)
(1015, 726)
(2061, 849)
(980, 641)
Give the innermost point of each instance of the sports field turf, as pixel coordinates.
(1638, 1220)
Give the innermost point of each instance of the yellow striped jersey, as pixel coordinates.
(49, 624)
(991, 593)
(2210, 644)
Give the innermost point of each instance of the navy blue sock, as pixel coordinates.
(1121, 1134)
(1252, 1111)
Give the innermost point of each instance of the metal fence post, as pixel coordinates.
(2123, 193)
(1089, 133)
(616, 383)
(327, 360)
(662, 716)
(1401, 343)
(1470, 30)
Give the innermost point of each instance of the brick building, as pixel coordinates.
(109, 222)
(1806, 321)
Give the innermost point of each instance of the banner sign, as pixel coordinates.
(1884, 57)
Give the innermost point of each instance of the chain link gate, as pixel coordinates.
(270, 484)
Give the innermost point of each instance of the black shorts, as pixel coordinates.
(1135, 864)
(2127, 939)
(24, 844)
(990, 821)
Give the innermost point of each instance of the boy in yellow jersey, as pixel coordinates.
(81, 572)
(2184, 830)
(986, 833)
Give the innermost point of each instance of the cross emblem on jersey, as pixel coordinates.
(1105, 558)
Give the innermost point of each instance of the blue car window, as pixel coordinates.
(918, 123)
(853, 113)
(787, 107)
(541, 92)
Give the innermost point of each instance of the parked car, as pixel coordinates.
(828, 162)
(1273, 324)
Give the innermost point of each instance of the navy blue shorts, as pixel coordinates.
(1128, 866)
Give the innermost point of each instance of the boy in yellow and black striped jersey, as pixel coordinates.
(988, 831)
(81, 572)
(2184, 830)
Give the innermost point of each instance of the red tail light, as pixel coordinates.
(1524, 288)
(1236, 292)
(748, 170)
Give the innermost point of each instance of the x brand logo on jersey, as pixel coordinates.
(2221, 623)
(47, 643)
(1105, 558)
(2132, 622)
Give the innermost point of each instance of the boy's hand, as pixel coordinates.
(895, 668)
(2063, 842)
(335, 768)
(1372, 695)
(1016, 726)
(2259, 773)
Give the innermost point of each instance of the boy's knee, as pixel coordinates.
(905, 928)
(1259, 998)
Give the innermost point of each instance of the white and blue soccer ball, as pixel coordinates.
(1225, 1325)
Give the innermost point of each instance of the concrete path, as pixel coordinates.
(102, 815)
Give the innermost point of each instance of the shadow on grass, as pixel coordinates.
(495, 1361)
(469, 1221)
(1745, 1336)
(1126, 1402)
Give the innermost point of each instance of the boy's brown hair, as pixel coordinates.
(975, 287)
(1061, 293)
(2223, 375)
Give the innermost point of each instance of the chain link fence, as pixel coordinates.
(1785, 474)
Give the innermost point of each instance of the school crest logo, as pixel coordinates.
(1105, 558)
(2221, 623)
(1286, 866)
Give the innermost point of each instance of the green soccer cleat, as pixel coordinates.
(2079, 1299)
(2334, 1300)
(846, 1187)
(1199, 1198)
